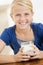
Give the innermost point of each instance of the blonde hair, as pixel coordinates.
(27, 3)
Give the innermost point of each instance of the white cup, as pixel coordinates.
(27, 48)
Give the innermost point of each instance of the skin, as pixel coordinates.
(22, 17)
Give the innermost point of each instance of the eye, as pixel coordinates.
(26, 14)
(18, 14)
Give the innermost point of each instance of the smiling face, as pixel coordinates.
(22, 16)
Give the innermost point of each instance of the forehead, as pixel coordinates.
(20, 8)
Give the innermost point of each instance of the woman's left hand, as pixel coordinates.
(38, 54)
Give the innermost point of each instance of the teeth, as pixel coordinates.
(22, 23)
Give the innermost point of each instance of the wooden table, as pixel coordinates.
(32, 62)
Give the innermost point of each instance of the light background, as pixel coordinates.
(6, 21)
(38, 11)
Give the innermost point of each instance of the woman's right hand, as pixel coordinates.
(20, 56)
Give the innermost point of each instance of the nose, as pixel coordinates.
(23, 18)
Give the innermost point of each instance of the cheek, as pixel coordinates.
(17, 19)
(29, 18)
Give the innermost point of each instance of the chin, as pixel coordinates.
(23, 28)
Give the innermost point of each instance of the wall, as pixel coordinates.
(6, 21)
(3, 18)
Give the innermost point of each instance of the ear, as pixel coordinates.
(32, 13)
(11, 14)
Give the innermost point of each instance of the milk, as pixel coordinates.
(27, 48)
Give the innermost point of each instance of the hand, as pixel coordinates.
(20, 56)
(30, 50)
(38, 54)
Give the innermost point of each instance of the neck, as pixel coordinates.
(23, 31)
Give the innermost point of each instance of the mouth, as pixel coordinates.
(23, 23)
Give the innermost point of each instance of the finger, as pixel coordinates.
(21, 49)
(35, 48)
(25, 59)
(35, 57)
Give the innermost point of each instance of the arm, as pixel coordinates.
(12, 58)
(2, 45)
(7, 58)
(38, 53)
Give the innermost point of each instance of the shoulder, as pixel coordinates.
(38, 28)
(9, 30)
(37, 25)
(7, 34)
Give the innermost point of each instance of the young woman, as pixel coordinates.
(23, 31)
